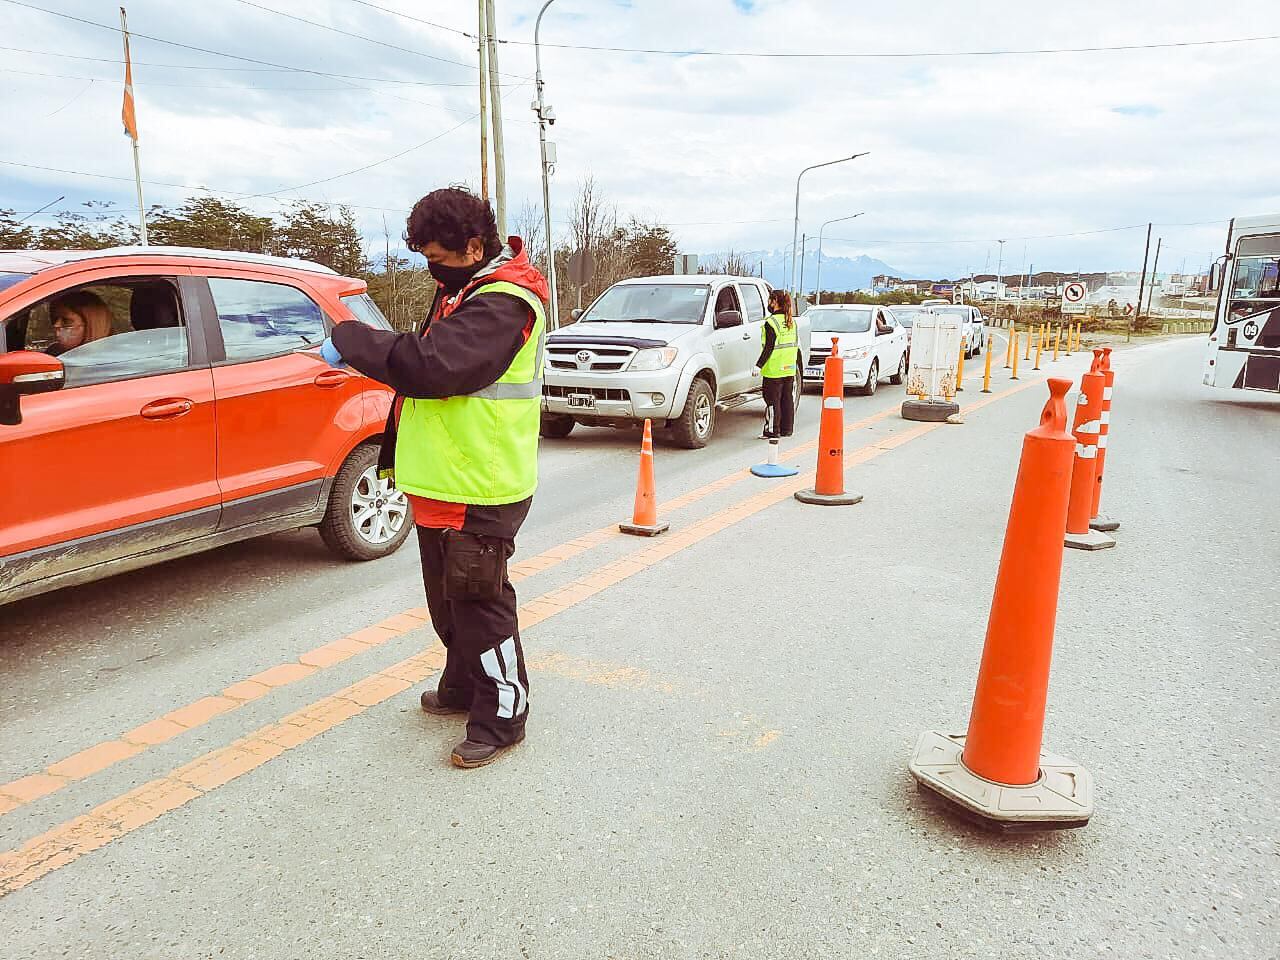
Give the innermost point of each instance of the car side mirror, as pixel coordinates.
(24, 372)
(728, 318)
(575, 313)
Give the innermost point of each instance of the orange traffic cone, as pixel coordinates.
(829, 488)
(1088, 424)
(1099, 522)
(996, 772)
(644, 518)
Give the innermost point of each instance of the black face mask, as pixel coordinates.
(452, 279)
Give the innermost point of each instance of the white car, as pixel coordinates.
(872, 343)
(972, 326)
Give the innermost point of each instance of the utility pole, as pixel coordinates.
(484, 103)
(1142, 280)
(800, 286)
(545, 116)
(999, 268)
(1155, 266)
(495, 104)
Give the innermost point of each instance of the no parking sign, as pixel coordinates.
(1073, 294)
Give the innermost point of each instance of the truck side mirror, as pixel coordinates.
(575, 313)
(728, 318)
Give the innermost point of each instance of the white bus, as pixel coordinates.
(1244, 347)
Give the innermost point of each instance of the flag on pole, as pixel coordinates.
(127, 112)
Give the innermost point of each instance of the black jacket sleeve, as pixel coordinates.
(770, 339)
(460, 354)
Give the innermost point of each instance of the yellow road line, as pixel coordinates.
(69, 841)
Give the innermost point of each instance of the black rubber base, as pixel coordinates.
(828, 500)
(643, 531)
(961, 812)
(927, 412)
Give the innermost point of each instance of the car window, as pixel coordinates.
(114, 330)
(754, 302)
(366, 311)
(260, 319)
(727, 299)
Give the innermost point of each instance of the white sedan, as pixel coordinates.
(872, 343)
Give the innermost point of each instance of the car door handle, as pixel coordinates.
(746, 335)
(332, 378)
(167, 409)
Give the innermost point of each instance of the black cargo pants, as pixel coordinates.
(484, 669)
(780, 406)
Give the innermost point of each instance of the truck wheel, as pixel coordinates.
(697, 421)
(556, 426)
(868, 389)
(367, 518)
(901, 375)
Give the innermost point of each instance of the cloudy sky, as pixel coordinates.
(1044, 150)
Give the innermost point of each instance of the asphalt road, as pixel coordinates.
(721, 718)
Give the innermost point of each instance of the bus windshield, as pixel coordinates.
(1255, 281)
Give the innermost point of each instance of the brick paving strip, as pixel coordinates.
(95, 759)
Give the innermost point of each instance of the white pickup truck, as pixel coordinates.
(673, 349)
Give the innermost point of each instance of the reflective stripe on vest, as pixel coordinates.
(782, 362)
(481, 448)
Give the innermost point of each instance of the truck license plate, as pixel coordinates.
(582, 400)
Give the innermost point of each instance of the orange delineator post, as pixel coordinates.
(1016, 351)
(1031, 331)
(1009, 347)
(644, 517)
(1086, 429)
(1070, 333)
(986, 372)
(1057, 342)
(1040, 346)
(829, 486)
(960, 366)
(996, 770)
(1099, 522)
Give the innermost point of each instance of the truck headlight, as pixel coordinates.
(657, 359)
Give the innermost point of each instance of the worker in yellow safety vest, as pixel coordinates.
(462, 445)
(777, 364)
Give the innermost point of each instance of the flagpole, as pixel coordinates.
(133, 134)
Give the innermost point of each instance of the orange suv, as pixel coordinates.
(159, 401)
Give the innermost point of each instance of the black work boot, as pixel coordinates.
(470, 753)
(432, 703)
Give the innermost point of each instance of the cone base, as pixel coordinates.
(1104, 523)
(927, 412)
(644, 530)
(770, 470)
(1061, 799)
(828, 499)
(1092, 540)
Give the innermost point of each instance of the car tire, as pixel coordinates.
(868, 389)
(556, 426)
(347, 528)
(799, 389)
(901, 376)
(697, 421)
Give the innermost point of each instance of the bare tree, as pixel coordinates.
(528, 226)
(731, 263)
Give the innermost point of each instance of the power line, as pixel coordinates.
(216, 86)
(354, 36)
(397, 13)
(224, 68)
(927, 54)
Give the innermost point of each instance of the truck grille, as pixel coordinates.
(602, 358)
(600, 393)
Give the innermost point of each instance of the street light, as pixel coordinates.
(817, 293)
(795, 232)
(546, 115)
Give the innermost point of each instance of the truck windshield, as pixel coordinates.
(649, 303)
(839, 321)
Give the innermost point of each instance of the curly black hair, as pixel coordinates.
(451, 217)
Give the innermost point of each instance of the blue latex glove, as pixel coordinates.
(330, 353)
